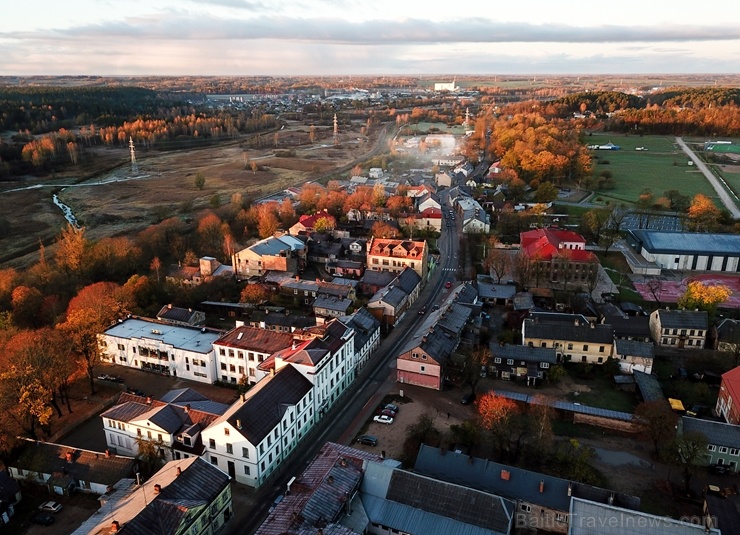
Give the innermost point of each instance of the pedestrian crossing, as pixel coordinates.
(449, 269)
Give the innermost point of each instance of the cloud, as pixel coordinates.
(181, 26)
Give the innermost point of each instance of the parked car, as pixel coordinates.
(368, 440)
(468, 399)
(383, 419)
(435, 307)
(43, 518)
(50, 507)
(392, 407)
(423, 310)
(720, 469)
(387, 412)
(697, 411)
(448, 284)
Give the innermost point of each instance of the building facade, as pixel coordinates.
(688, 251)
(395, 255)
(679, 328)
(728, 400)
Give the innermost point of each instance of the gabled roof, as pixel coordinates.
(377, 278)
(633, 348)
(265, 404)
(510, 481)
(544, 243)
(170, 313)
(717, 433)
(391, 296)
(683, 319)
(525, 353)
(649, 386)
(728, 331)
(8, 487)
(597, 334)
(254, 339)
(85, 465)
(408, 280)
(332, 303)
(396, 248)
(413, 503)
(187, 487)
(731, 381)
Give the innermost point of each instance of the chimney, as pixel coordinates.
(330, 480)
(179, 472)
(542, 486)
(115, 526)
(169, 306)
(611, 498)
(238, 424)
(272, 372)
(570, 488)
(148, 400)
(577, 322)
(593, 325)
(68, 457)
(187, 408)
(157, 488)
(505, 475)
(107, 454)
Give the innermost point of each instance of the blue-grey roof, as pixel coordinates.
(407, 280)
(694, 243)
(495, 291)
(391, 296)
(183, 395)
(364, 324)
(683, 319)
(274, 246)
(590, 518)
(332, 303)
(633, 348)
(377, 278)
(649, 386)
(596, 334)
(467, 294)
(717, 433)
(521, 484)
(728, 331)
(525, 353)
(189, 338)
(412, 503)
(567, 406)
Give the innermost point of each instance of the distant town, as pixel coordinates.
(369, 305)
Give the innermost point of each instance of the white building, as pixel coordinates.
(326, 358)
(240, 351)
(258, 432)
(185, 352)
(688, 251)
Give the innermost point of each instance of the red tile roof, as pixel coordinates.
(731, 381)
(254, 339)
(544, 244)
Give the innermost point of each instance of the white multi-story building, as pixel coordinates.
(240, 351)
(326, 357)
(260, 430)
(185, 352)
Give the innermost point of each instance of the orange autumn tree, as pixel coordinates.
(704, 296)
(498, 415)
(255, 294)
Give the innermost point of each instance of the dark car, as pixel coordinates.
(368, 440)
(388, 412)
(448, 284)
(391, 407)
(423, 310)
(468, 399)
(720, 469)
(43, 518)
(697, 411)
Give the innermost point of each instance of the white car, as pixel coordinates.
(383, 419)
(50, 507)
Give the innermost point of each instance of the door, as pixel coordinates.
(232, 469)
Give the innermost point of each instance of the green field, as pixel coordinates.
(423, 128)
(732, 179)
(663, 166)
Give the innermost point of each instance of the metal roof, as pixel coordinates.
(590, 518)
(254, 339)
(689, 243)
(634, 348)
(332, 303)
(593, 333)
(525, 353)
(412, 503)
(649, 386)
(717, 433)
(683, 319)
(567, 406)
(189, 338)
(516, 483)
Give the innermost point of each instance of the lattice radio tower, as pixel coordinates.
(336, 130)
(132, 150)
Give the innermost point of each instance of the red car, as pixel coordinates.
(448, 284)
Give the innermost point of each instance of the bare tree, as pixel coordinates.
(498, 262)
(655, 287)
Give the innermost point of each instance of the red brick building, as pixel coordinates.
(728, 402)
(559, 254)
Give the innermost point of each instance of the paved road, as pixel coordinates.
(723, 194)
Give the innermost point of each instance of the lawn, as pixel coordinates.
(663, 166)
(603, 394)
(616, 267)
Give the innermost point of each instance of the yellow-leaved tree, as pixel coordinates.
(704, 296)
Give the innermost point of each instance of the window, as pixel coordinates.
(585, 347)
(560, 517)
(246, 471)
(525, 507)
(245, 453)
(423, 357)
(544, 364)
(229, 448)
(497, 360)
(214, 460)
(601, 360)
(570, 346)
(212, 443)
(691, 332)
(722, 449)
(601, 349)
(414, 355)
(226, 431)
(711, 447)
(544, 344)
(422, 369)
(665, 341)
(510, 362)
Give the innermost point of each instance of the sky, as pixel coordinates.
(393, 37)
